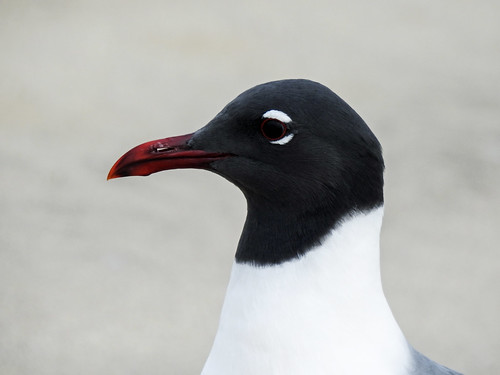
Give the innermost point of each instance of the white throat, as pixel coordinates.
(324, 313)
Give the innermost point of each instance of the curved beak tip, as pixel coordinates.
(111, 175)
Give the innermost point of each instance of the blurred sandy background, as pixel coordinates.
(128, 276)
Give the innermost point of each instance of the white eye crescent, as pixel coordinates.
(284, 140)
(277, 115)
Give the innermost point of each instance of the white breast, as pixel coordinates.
(324, 313)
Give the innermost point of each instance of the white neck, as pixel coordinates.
(324, 313)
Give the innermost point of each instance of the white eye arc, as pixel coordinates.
(277, 115)
(283, 141)
(282, 117)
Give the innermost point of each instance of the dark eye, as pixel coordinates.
(273, 129)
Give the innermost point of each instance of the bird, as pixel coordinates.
(305, 294)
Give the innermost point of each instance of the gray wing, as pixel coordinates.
(425, 366)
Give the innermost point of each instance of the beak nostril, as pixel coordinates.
(160, 147)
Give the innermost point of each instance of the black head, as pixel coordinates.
(303, 158)
(329, 166)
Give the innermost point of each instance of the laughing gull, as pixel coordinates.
(305, 295)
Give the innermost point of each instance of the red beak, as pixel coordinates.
(160, 155)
